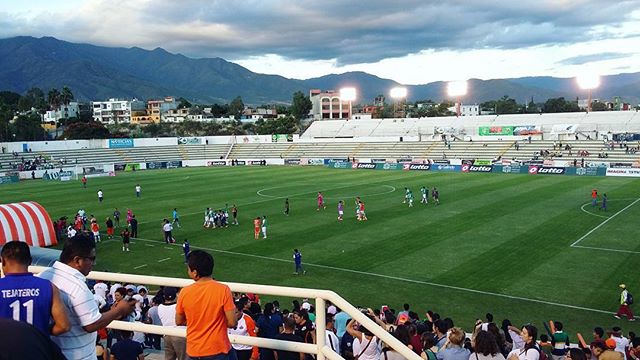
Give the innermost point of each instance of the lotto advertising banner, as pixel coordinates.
(546, 170)
(466, 168)
(416, 167)
(495, 130)
(120, 143)
(628, 172)
(189, 141)
(363, 165)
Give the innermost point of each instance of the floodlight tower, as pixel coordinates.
(398, 94)
(588, 82)
(457, 89)
(348, 94)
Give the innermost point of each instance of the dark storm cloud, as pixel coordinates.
(349, 31)
(585, 59)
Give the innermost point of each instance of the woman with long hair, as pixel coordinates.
(486, 347)
(530, 351)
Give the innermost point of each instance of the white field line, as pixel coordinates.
(166, 247)
(163, 260)
(149, 245)
(284, 197)
(606, 249)
(405, 280)
(140, 266)
(604, 222)
(590, 213)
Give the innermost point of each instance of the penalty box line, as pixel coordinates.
(397, 278)
(603, 223)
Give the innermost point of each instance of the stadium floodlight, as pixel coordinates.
(588, 81)
(348, 94)
(398, 94)
(457, 89)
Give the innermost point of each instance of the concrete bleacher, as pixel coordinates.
(587, 123)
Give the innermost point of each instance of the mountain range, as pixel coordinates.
(98, 72)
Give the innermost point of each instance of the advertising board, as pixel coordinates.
(120, 143)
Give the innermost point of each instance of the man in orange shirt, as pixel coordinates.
(206, 307)
(256, 228)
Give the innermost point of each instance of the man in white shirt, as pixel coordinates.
(68, 274)
(138, 190)
(331, 339)
(100, 195)
(100, 288)
(622, 343)
(175, 347)
(166, 227)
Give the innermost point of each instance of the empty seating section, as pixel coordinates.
(603, 122)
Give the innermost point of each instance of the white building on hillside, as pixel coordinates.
(467, 110)
(72, 110)
(115, 110)
(328, 105)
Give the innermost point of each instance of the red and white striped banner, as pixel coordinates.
(27, 222)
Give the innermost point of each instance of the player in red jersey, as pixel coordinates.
(256, 227)
(321, 203)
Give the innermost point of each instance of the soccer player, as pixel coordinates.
(286, 206)
(256, 228)
(435, 194)
(604, 202)
(297, 259)
(138, 189)
(406, 195)
(100, 195)
(126, 239)
(116, 217)
(358, 207)
(185, 249)
(129, 215)
(109, 224)
(167, 228)
(363, 215)
(425, 195)
(176, 219)
(410, 198)
(594, 197)
(234, 213)
(264, 227)
(340, 210)
(205, 224)
(321, 203)
(84, 181)
(95, 230)
(28, 298)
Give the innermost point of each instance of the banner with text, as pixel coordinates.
(120, 143)
(495, 130)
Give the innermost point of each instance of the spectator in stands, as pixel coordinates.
(127, 349)
(26, 342)
(174, 346)
(207, 308)
(341, 319)
(621, 342)
(453, 349)
(288, 335)
(634, 349)
(529, 334)
(486, 347)
(600, 350)
(268, 325)
(20, 287)
(331, 339)
(440, 332)
(402, 334)
(560, 342)
(153, 340)
(69, 275)
(246, 327)
(366, 346)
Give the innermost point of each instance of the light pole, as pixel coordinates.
(457, 89)
(398, 94)
(348, 94)
(588, 82)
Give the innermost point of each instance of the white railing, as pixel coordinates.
(320, 349)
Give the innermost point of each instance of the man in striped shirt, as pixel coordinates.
(68, 274)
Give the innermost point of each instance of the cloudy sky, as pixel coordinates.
(410, 41)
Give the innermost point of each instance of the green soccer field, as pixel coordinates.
(527, 247)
